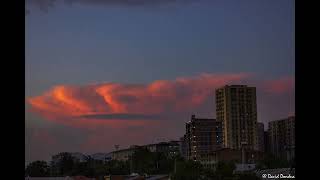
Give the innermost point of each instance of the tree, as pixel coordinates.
(64, 163)
(143, 161)
(248, 176)
(271, 162)
(91, 168)
(187, 170)
(115, 167)
(80, 168)
(225, 169)
(209, 173)
(163, 163)
(38, 169)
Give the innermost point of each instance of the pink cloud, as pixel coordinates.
(279, 86)
(64, 103)
(174, 99)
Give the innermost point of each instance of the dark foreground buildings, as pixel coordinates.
(261, 137)
(202, 137)
(282, 138)
(170, 148)
(235, 134)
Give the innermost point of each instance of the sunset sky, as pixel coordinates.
(106, 72)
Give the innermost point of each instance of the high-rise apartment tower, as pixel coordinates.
(236, 108)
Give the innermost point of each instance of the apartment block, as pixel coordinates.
(236, 109)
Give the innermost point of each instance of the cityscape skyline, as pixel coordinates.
(125, 117)
(100, 74)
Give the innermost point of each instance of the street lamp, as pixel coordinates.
(243, 143)
(175, 165)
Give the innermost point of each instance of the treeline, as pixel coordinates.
(143, 162)
(69, 167)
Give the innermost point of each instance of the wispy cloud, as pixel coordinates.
(94, 104)
(123, 116)
(45, 5)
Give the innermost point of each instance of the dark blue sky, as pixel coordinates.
(93, 43)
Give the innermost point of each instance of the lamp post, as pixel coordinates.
(175, 165)
(243, 143)
(131, 169)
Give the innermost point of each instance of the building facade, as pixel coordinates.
(183, 147)
(236, 108)
(282, 138)
(171, 148)
(266, 142)
(260, 134)
(123, 154)
(226, 155)
(202, 137)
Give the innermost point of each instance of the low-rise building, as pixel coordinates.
(247, 156)
(170, 148)
(203, 136)
(123, 154)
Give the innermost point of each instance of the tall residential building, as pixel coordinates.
(282, 137)
(236, 108)
(260, 134)
(203, 136)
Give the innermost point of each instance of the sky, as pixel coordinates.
(107, 72)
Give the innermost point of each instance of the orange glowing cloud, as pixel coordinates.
(65, 103)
